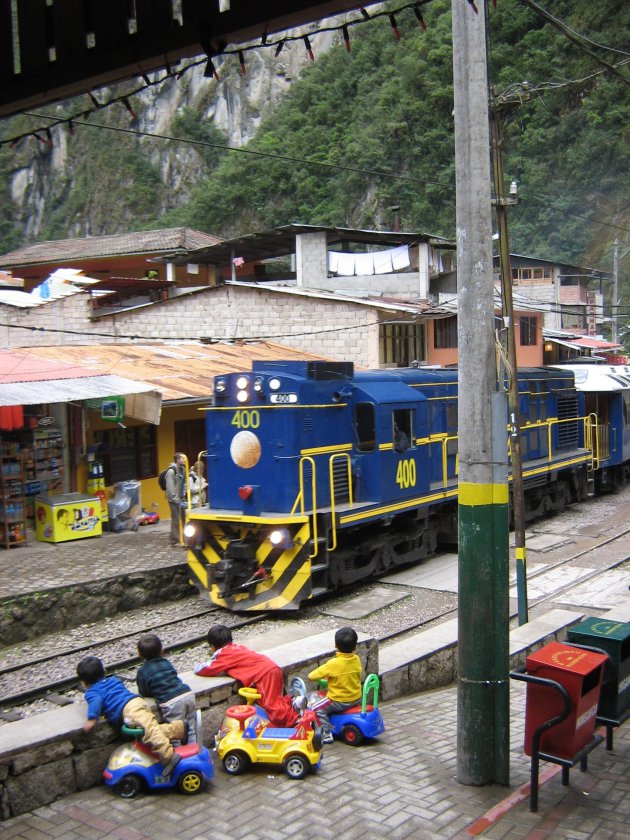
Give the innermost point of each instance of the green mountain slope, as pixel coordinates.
(380, 121)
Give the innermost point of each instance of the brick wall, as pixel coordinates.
(338, 329)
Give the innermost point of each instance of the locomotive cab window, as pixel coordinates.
(365, 426)
(401, 431)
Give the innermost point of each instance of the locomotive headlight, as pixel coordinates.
(242, 396)
(242, 382)
(280, 536)
(191, 532)
(274, 384)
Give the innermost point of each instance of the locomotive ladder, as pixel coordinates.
(340, 485)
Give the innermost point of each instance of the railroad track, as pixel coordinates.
(67, 661)
(31, 670)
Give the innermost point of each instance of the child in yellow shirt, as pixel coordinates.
(343, 674)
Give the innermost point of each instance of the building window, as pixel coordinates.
(401, 344)
(127, 454)
(528, 331)
(445, 333)
(534, 275)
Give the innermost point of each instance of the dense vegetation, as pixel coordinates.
(387, 108)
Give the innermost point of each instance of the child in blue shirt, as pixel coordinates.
(108, 696)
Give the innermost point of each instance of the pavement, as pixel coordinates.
(39, 566)
(404, 785)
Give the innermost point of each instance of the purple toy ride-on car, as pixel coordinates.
(133, 767)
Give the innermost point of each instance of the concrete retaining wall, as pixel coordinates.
(48, 755)
(35, 614)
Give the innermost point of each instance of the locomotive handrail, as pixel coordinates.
(556, 421)
(445, 442)
(333, 500)
(301, 497)
(591, 434)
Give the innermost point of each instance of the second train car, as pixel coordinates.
(321, 476)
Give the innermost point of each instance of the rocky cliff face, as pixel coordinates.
(85, 184)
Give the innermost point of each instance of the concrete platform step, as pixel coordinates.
(428, 659)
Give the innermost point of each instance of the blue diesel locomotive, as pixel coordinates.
(321, 476)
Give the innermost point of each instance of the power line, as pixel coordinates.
(575, 38)
(210, 69)
(287, 158)
(544, 202)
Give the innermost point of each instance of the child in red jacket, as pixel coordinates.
(250, 669)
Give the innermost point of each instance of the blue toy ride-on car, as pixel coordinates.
(133, 767)
(359, 722)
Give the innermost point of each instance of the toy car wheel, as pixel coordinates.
(317, 738)
(190, 782)
(129, 786)
(296, 766)
(236, 762)
(352, 735)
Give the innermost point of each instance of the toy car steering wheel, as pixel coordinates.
(249, 693)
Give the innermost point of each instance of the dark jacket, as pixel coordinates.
(158, 678)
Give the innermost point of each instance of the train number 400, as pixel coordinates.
(406, 474)
(246, 419)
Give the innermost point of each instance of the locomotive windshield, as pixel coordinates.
(365, 426)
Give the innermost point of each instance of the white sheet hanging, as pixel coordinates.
(345, 265)
(364, 263)
(400, 257)
(382, 262)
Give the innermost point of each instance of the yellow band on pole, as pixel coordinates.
(473, 495)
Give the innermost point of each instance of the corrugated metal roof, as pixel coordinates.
(594, 343)
(280, 241)
(22, 366)
(38, 391)
(179, 371)
(60, 251)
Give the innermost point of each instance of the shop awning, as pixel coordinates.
(141, 401)
(29, 380)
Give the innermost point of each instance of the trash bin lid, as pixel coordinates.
(600, 628)
(563, 657)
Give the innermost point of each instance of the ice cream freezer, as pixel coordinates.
(69, 516)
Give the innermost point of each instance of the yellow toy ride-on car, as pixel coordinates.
(246, 737)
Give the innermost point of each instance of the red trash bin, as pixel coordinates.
(580, 672)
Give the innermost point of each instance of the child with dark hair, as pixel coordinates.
(250, 669)
(157, 678)
(343, 674)
(108, 696)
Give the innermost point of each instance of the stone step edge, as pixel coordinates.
(429, 659)
(421, 651)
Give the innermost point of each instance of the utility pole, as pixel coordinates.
(615, 294)
(482, 688)
(518, 494)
